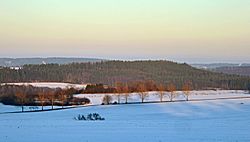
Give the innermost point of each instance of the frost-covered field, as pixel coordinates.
(218, 120)
(195, 121)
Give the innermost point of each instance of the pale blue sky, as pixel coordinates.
(181, 30)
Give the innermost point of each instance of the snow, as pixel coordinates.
(50, 85)
(96, 99)
(194, 121)
(10, 108)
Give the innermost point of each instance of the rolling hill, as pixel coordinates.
(110, 72)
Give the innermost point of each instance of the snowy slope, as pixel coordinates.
(206, 121)
(8, 108)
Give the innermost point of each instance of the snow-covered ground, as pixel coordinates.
(50, 85)
(203, 121)
(154, 96)
(10, 108)
(96, 99)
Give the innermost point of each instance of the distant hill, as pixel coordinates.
(17, 62)
(109, 72)
(227, 68)
(244, 71)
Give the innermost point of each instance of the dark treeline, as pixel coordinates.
(130, 87)
(37, 96)
(110, 72)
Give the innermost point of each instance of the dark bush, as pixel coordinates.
(80, 101)
(90, 117)
(8, 100)
(98, 88)
(80, 117)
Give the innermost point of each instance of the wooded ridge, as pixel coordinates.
(110, 72)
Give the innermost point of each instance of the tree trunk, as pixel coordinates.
(62, 101)
(52, 104)
(119, 99)
(42, 106)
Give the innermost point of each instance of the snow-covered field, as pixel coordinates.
(154, 96)
(96, 99)
(206, 121)
(50, 84)
(9, 108)
(194, 121)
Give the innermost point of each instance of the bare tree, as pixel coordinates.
(41, 98)
(186, 90)
(161, 90)
(63, 97)
(248, 87)
(21, 99)
(119, 91)
(150, 85)
(51, 97)
(126, 92)
(172, 89)
(107, 99)
(142, 91)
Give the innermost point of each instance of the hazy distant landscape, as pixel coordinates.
(18, 62)
(236, 69)
(242, 69)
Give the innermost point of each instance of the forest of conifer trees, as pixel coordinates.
(110, 72)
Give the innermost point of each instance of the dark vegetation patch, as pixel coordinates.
(89, 117)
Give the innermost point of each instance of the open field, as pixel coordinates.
(220, 120)
(213, 120)
(96, 99)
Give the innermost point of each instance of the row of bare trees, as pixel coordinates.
(143, 91)
(43, 97)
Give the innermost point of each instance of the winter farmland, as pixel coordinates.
(223, 120)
